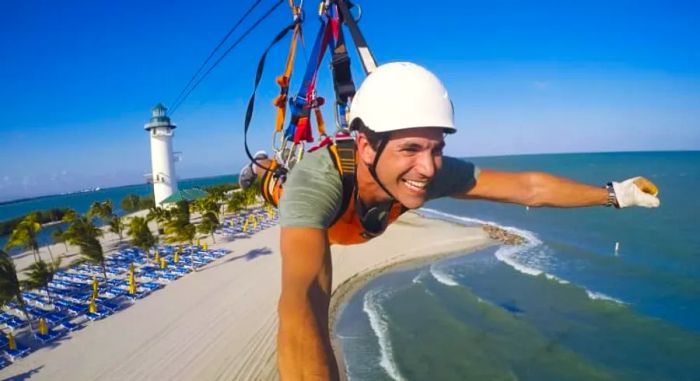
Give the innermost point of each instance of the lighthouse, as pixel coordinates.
(163, 176)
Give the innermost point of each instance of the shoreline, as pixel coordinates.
(352, 286)
(475, 239)
(221, 321)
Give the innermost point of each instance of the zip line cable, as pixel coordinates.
(223, 40)
(226, 52)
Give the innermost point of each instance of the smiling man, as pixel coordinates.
(401, 115)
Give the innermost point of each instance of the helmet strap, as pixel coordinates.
(373, 168)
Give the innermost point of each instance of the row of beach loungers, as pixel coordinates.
(66, 305)
(247, 223)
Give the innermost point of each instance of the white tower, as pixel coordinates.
(162, 159)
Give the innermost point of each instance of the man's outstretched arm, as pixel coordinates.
(542, 189)
(304, 349)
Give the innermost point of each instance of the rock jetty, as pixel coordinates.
(502, 235)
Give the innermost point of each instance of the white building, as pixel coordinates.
(162, 159)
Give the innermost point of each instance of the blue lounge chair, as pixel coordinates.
(101, 313)
(50, 336)
(151, 286)
(15, 323)
(54, 318)
(14, 354)
(70, 326)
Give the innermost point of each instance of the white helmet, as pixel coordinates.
(402, 95)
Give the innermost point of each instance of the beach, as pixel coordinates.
(220, 322)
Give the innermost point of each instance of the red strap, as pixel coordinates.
(303, 131)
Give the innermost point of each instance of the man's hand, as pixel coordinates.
(636, 191)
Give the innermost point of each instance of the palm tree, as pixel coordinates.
(24, 236)
(58, 236)
(10, 286)
(40, 273)
(116, 225)
(130, 203)
(140, 234)
(81, 227)
(91, 251)
(180, 230)
(83, 233)
(103, 210)
(69, 215)
(207, 204)
(160, 215)
(251, 195)
(235, 203)
(209, 224)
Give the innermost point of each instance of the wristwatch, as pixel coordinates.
(612, 197)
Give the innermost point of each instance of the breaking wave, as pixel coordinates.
(371, 305)
(532, 258)
(442, 277)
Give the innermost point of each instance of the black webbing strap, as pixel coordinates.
(345, 163)
(366, 57)
(258, 77)
(340, 66)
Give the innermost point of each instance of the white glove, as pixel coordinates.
(636, 191)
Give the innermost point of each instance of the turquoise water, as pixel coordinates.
(81, 201)
(564, 307)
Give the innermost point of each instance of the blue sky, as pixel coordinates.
(78, 80)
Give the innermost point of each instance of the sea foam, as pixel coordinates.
(531, 258)
(600, 296)
(371, 305)
(442, 276)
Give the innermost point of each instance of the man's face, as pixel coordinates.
(409, 162)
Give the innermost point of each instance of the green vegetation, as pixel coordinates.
(103, 210)
(9, 284)
(179, 228)
(42, 217)
(140, 234)
(40, 273)
(57, 236)
(24, 235)
(133, 203)
(84, 234)
(209, 224)
(116, 225)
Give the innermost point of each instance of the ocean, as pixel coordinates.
(566, 306)
(81, 201)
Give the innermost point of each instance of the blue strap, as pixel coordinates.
(299, 102)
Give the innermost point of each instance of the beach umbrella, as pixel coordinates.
(162, 263)
(94, 286)
(11, 343)
(245, 226)
(157, 257)
(251, 218)
(43, 328)
(204, 246)
(132, 280)
(176, 257)
(93, 306)
(198, 242)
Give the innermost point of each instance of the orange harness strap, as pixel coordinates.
(283, 80)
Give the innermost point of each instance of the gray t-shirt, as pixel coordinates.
(313, 192)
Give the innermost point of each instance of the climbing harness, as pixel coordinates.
(288, 143)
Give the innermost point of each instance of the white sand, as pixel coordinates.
(220, 322)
